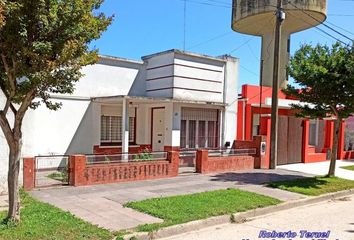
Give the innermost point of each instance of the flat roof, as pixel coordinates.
(198, 55)
(118, 59)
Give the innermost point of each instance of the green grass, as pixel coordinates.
(60, 176)
(185, 208)
(351, 167)
(314, 186)
(42, 221)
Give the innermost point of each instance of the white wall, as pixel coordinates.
(4, 151)
(111, 78)
(230, 97)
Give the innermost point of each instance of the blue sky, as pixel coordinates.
(143, 27)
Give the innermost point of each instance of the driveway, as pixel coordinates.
(102, 204)
(321, 168)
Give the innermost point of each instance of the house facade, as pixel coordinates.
(170, 100)
(299, 140)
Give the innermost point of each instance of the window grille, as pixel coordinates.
(199, 128)
(111, 129)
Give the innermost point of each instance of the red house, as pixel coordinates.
(299, 140)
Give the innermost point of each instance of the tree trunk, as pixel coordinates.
(12, 180)
(332, 166)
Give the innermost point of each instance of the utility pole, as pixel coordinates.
(274, 117)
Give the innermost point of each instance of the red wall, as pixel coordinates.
(82, 174)
(206, 164)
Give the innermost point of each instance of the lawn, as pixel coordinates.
(314, 186)
(185, 208)
(59, 176)
(43, 221)
(351, 167)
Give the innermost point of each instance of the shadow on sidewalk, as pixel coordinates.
(255, 177)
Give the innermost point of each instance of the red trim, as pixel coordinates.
(191, 78)
(189, 89)
(183, 65)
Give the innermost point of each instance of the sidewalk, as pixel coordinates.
(321, 168)
(102, 204)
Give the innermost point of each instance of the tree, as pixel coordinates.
(2, 8)
(324, 83)
(43, 46)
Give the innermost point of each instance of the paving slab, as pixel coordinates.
(102, 205)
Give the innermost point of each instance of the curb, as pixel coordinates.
(234, 218)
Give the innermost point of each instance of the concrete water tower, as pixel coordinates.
(257, 17)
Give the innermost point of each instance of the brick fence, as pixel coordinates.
(81, 173)
(261, 158)
(207, 164)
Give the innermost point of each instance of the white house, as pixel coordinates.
(170, 100)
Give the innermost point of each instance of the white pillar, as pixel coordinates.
(125, 126)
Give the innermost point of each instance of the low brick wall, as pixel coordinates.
(206, 164)
(260, 160)
(82, 174)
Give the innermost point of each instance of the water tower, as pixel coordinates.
(257, 17)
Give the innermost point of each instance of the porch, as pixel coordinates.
(142, 124)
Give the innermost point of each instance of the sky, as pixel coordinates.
(142, 27)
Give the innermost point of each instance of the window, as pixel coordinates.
(201, 134)
(349, 134)
(111, 129)
(199, 128)
(313, 132)
(183, 134)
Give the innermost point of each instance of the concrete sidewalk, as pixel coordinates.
(102, 204)
(321, 168)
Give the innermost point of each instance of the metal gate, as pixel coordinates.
(52, 170)
(290, 134)
(187, 159)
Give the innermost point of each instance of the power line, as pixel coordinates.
(210, 40)
(323, 31)
(184, 24)
(320, 22)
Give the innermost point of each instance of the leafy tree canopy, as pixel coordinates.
(323, 77)
(43, 46)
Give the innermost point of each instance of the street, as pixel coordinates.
(334, 216)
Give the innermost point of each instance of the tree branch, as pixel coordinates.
(5, 126)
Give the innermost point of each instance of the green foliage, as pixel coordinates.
(314, 186)
(44, 44)
(43, 221)
(107, 159)
(323, 77)
(144, 156)
(185, 208)
(61, 176)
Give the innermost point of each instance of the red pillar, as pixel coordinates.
(173, 157)
(202, 160)
(305, 139)
(341, 153)
(329, 134)
(248, 122)
(77, 165)
(28, 173)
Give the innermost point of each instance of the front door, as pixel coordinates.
(158, 129)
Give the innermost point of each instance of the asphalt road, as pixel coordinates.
(335, 216)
